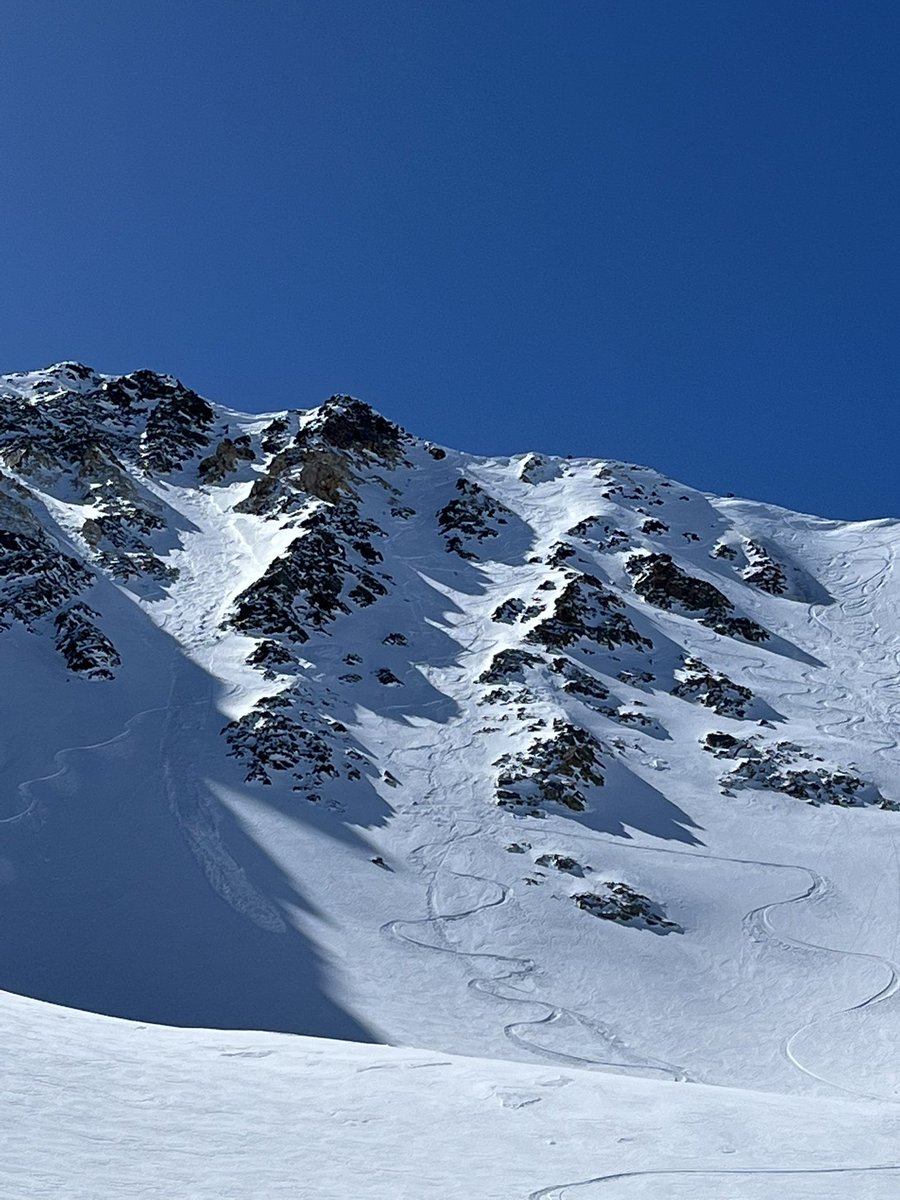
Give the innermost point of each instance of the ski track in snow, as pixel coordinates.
(558, 1191)
(33, 803)
(854, 633)
(520, 970)
(757, 925)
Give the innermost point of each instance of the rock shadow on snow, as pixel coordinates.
(134, 891)
(627, 800)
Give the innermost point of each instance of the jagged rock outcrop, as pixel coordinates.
(560, 862)
(177, 426)
(578, 681)
(282, 734)
(307, 586)
(509, 665)
(271, 657)
(762, 571)
(471, 517)
(323, 457)
(600, 533)
(622, 904)
(785, 767)
(586, 609)
(697, 683)
(551, 770)
(86, 649)
(36, 579)
(659, 580)
(225, 459)
(509, 611)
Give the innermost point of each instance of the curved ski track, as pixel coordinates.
(515, 970)
(558, 1191)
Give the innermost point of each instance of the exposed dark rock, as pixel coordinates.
(177, 426)
(508, 611)
(652, 526)
(320, 460)
(697, 683)
(35, 577)
(660, 581)
(509, 665)
(345, 423)
(560, 552)
(85, 648)
(636, 678)
(726, 745)
(295, 474)
(225, 459)
(551, 769)
(586, 609)
(283, 734)
(578, 681)
(763, 571)
(560, 862)
(776, 768)
(270, 655)
(304, 587)
(472, 516)
(275, 436)
(604, 535)
(618, 902)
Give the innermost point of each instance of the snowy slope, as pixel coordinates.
(312, 727)
(97, 1109)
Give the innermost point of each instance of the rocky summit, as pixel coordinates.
(310, 725)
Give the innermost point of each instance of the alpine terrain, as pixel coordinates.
(553, 804)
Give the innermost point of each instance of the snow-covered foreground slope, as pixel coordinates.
(95, 1108)
(312, 727)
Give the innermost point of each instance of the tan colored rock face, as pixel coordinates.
(325, 475)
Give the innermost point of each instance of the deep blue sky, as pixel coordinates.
(658, 230)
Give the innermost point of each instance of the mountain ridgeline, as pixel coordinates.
(245, 651)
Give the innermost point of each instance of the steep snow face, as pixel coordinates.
(312, 726)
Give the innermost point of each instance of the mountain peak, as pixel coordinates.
(290, 691)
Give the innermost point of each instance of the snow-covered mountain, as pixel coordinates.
(310, 726)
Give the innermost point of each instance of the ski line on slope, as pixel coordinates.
(520, 970)
(557, 1191)
(24, 788)
(848, 721)
(759, 918)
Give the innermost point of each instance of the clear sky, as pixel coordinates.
(658, 230)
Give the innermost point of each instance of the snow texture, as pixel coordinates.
(580, 778)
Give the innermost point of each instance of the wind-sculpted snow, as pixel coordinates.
(285, 690)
